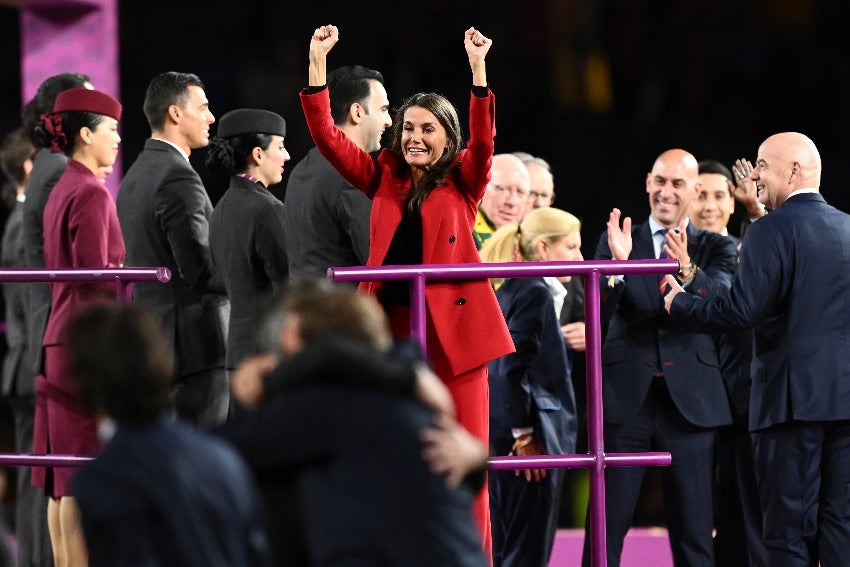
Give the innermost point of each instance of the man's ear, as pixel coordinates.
(355, 113)
(174, 113)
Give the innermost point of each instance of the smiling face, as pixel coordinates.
(671, 185)
(375, 118)
(270, 161)
(506, 198)
(423, 138)
(772, 174)
(714, 204)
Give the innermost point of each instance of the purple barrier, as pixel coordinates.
(122, 277)
(596, 459)
(24, 460)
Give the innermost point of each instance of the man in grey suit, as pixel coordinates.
(791, 288)
(663, 389)
(164, 213)
(326, 220)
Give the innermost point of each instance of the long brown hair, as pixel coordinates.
(442, 109)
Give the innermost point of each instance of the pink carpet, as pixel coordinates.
(644, 547)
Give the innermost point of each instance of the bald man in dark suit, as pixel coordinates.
(792, 287)
(663, 389)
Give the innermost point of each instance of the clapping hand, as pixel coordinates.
(619, 239)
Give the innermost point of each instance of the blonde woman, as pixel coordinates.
(532, 405)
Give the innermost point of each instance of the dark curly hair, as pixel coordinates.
(231, 154)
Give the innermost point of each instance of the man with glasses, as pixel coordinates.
(506, 198)
(542, 192)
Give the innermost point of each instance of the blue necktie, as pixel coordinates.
(662, 284)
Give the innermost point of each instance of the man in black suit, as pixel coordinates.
(792, 287)
(164, 213)
(738, 520)
(33, 539)
(663, 389)
(161, 492)
(326, 220)
(337, 442)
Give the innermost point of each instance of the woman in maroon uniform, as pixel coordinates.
(80, 231)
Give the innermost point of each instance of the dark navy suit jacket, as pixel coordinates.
(793, 287)
(531, 387)
(345, 442)
(639, 329)
(168, 494)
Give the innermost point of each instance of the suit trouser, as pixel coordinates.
(686, 483)
(738, 520)
(803, 471)
(523, 516)
(203, 398)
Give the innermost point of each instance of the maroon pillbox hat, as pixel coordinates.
(88, 100)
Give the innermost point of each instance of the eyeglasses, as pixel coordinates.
(534, 195)
(516, 192)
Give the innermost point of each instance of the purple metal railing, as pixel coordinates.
(596, 460)
(122, 277)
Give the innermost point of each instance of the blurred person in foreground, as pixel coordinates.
(161, 492)
(381, 478)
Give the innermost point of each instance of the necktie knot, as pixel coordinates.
(661, 232)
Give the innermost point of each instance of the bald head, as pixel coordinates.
(671, 185)
(786, 162)
(506, 198)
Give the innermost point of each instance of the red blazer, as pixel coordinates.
(80, 231)
(465, 314)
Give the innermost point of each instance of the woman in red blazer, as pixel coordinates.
(425, 192)
(80, 231)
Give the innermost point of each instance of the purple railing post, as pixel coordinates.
(417, 311)
(595, 429)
